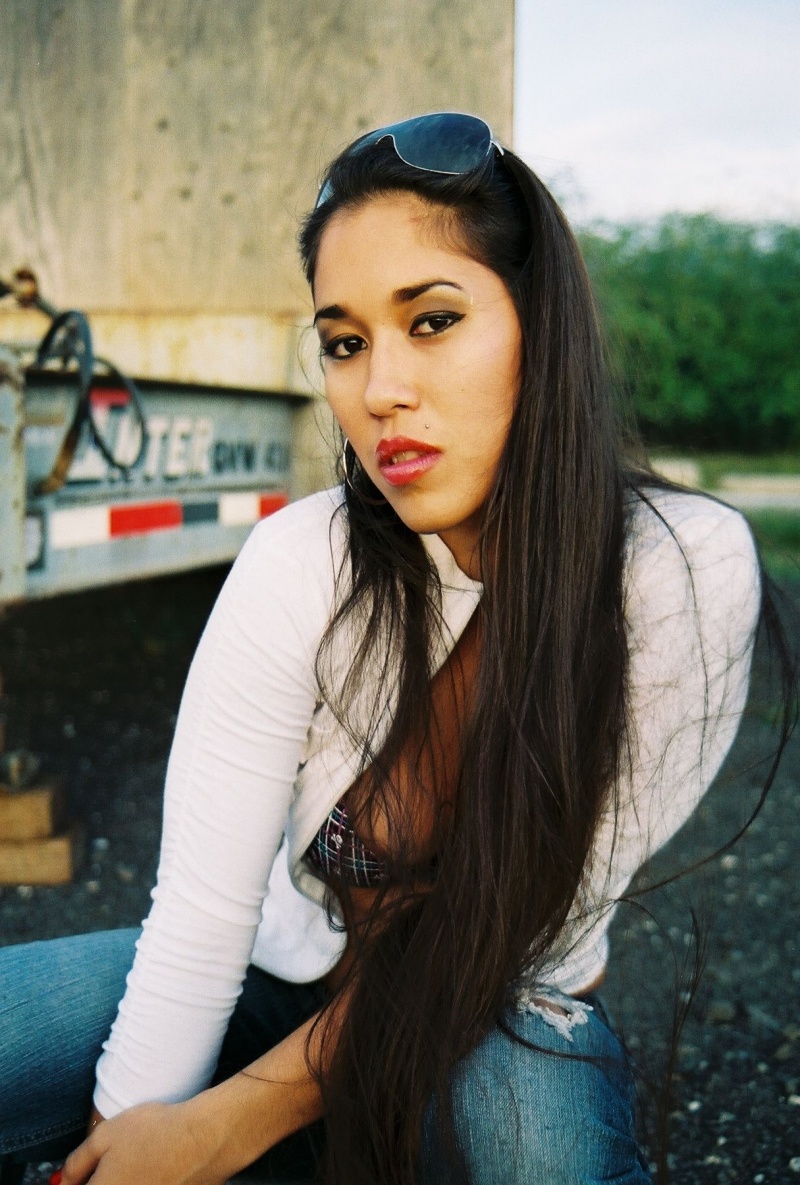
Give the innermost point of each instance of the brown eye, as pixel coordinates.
(431, 324)
(343, 347)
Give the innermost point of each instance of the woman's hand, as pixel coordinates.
(213, 1136)
(156, 1143)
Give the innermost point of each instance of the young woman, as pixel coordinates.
(438, 719)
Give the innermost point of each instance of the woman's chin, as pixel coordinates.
(419, 519)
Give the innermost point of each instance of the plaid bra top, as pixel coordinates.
(338, 853)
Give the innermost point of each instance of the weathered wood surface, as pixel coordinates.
(50, 861)
(35, 813)
(157, 154)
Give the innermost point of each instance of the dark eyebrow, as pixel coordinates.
(331, 312)
(335, 312)
(406, 295)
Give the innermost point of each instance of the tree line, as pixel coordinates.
(703, 327)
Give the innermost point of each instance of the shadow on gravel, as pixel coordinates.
(93, 683)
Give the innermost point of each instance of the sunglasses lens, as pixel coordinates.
(444, 143)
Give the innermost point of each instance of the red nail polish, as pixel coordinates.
(56, 1178)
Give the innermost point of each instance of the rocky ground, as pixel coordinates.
(93, 683)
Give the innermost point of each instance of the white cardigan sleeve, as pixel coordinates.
(242, 725)
(693, 604)
(693, 596)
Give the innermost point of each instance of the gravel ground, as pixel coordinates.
(93, 683)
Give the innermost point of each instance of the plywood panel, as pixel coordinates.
(162, 150)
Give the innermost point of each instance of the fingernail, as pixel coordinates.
(56, 1177)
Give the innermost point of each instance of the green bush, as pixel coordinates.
(703, 320)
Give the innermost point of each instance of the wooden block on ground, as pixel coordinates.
(42, 861)
(36, 813)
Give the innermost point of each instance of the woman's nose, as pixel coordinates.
(389, 383)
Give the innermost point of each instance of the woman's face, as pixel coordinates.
(421, 354)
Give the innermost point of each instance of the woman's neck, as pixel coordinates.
(463, 542)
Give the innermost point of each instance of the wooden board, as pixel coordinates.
(35, 813)
(42, 861)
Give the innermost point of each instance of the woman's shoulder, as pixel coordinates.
(663, 523)
(690, 546)
(310, 520)
(291, 561)
(307, 536)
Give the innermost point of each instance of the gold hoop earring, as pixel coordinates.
(348, 481)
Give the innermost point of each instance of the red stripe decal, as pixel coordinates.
(269, 503)
(148, 516)
(109, 397)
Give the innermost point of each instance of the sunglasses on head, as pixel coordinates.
(444, 142)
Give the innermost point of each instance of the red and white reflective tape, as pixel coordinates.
(236, 510)
(81, 526)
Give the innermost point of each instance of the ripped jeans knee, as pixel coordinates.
(546, 1097)
(555, 1008)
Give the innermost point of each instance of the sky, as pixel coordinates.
(631, 108)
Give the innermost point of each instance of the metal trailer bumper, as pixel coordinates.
(216, 461)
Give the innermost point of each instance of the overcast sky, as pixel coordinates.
(629, 108)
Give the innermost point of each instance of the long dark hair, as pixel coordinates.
(545, 736)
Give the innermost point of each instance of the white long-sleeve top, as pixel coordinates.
(258, 761)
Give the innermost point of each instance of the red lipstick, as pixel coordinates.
(402, 460)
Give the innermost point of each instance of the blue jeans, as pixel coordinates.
(520, 1115)
(548, 1116)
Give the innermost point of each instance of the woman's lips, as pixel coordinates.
(402, 460)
